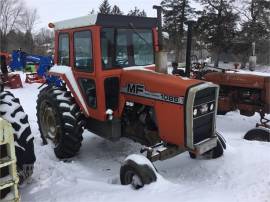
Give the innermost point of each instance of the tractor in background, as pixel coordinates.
(11, 80)
(36, 64)
(105, 80)
(248, 92)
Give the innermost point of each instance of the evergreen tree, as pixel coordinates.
(137, 12)
(116, 10)
(217, 25)
(105, 7)
(257, 23)
(28, 42)
(176, 13)
(255, 29)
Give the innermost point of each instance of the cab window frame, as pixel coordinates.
(115, 29)
(91, 68)
(58, 48)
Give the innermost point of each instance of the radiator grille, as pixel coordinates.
(203, 124)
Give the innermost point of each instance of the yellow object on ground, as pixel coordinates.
(8, 173)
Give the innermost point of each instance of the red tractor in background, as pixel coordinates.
(11, 80)
(247, 92)
(105, 81)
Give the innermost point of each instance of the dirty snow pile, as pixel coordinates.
(242, 174)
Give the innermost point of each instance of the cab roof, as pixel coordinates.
(106, 20)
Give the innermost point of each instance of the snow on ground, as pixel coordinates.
(242, 174)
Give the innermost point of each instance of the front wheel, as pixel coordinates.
(216, 152)
(60, 120)
(259, 134)
(137, 171)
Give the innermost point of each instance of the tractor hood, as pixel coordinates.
(154, 83)
(239, 79)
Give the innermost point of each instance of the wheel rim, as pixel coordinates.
(49, 126)
(132, 178)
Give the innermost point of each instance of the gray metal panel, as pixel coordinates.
(124, 21)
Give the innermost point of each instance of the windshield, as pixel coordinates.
(126, 47)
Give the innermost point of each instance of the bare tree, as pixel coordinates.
(44, 41)
(10, 10)
(28, 19)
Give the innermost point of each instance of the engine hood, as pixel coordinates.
(239, 79)
(155, 82)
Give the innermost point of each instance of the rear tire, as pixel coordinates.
(137, 174)
(259, 134)
(60, 120)
(12, 111)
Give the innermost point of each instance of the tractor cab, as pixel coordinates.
(98, 48)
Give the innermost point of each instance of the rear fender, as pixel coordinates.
(66, 75)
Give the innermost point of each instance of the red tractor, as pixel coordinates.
(105, 81)
(247, 92)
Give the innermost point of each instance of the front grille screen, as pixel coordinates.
(203, 124)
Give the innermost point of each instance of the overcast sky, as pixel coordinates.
(56, 10)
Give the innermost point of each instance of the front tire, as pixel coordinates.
(259, 134)
(136, 173)
(60, 120)
(215, 152)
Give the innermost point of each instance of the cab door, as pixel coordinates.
(83, 68)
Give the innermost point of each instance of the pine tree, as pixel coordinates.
(255, 29)
(116, 10)
(28, 42)
(217, 25)
(176, 13)
(257, 23)
(137, 12)
(105, 7)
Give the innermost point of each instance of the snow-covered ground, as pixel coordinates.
(242, 174)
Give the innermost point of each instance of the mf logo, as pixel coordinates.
(135, 88)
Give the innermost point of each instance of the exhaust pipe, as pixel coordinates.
(189, 44)
(161, 56)
(159, 24)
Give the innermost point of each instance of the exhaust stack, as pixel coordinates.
(188, 50)
(161, 56)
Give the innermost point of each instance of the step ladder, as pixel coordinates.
(8, 173)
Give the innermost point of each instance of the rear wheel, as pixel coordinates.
(12, 111)
(60, 120)
(136, 173)
(259, 134)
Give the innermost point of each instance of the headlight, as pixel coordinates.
(211, 107)
(195, 112)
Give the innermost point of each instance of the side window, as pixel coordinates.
(88, 86)
(63, 49)
(83, 51)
